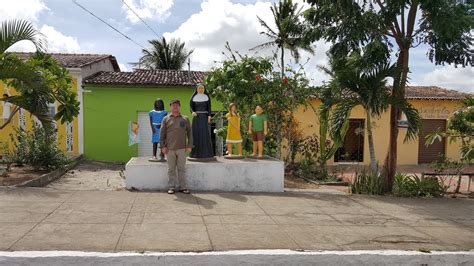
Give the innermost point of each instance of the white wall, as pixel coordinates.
(102, 65)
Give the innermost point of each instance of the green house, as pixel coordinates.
(113, 99)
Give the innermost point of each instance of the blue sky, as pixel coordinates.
(205, 26)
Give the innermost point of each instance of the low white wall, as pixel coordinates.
(223, 175)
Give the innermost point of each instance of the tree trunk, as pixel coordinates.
(398, 90)
(278, 126)
(323, 130)
(290, 139)
(12, 114)
(373, 159)
(282, 62)
(278, 136)
(458, 185)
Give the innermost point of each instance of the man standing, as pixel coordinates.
(175, 128)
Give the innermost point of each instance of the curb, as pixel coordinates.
(47, 178)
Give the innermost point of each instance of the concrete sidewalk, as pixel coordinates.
(109, 221)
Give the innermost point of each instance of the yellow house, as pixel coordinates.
(69, 135)
(435, 106)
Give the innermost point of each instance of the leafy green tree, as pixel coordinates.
(366, 86)
(289, 33)
(332, 129)
(164, 55)
(460, 128)
(251, 81)
(383, 27)
(39, 80)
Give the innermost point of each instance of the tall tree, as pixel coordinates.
(164, 55)
(366, 86)
(443, 26)
(289, 33)
(39, 80)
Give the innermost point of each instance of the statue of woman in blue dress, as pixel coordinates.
(200, 106)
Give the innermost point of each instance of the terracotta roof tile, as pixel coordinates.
(434, 92)
(148, 77)
(425, 92)
(76, 60)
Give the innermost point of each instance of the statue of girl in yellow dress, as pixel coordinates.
(233, 130)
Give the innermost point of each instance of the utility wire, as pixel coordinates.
(105, 22)
(138, 16)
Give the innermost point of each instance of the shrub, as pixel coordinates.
(310, 148)
(414, 186)
(446, 169)
(37, 149)
(19, 153)
(367, 182)
(308, 169)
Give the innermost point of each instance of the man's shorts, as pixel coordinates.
(258, 136)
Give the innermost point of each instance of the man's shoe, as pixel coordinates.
(185, 191)
(171, 191)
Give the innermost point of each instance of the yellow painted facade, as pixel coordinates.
(407, 152)
(28, 120)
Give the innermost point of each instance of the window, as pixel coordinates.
(353, 148)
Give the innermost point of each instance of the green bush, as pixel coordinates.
(37, 149)
(368, 183)
(19, 155)
(308, 169)
(414, 186)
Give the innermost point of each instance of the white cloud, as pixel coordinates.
(123, 67)
(24, 9)
(148, 9)
(30, 10)
(219, 21)
(460, 78)
(58, 42)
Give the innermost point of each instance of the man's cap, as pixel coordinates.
(175, 100)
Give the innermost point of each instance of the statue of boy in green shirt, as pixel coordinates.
(258, 129)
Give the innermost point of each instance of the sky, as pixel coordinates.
(204, 26)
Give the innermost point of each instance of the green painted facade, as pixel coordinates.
(108, 109)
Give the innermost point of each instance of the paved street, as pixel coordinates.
(111, 221)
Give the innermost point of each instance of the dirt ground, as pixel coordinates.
(292, 181)
(18, 175)
(92, 175)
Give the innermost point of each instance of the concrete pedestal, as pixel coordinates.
(246, 175)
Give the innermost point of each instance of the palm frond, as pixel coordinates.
(263, 46)
(13, 31)
(413, 118)
(265, 25)
(341, 114)
(164, 54)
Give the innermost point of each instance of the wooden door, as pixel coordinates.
(438, 148)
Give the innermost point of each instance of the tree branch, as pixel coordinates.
(411, 18)
(17, 108)
(402, 19)
(396, 34)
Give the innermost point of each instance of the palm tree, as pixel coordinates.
(289, 33)
(13, 68)
(38, 81)
(367, 88)
(164, 55)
